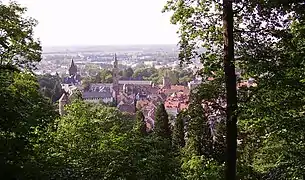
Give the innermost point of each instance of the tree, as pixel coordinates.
(50, 86)
(252, 38)
(195, 129)
(91, 141)
(98, 142)
(271, 120)
(161, 126)
(86, 83)
(106, 76)
(25, 116)
(127, 73)
(144, 73)
(178, 133)
(18, 48)
(140, 123)
(98, 78)
(231, 91)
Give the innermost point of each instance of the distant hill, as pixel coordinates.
(109, 48)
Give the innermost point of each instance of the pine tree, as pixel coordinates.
(178, 133)
(200, 140)
(140, 124)
(195, 129)
(161, 126)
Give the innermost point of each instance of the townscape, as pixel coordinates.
(225, 103)
(129, 95)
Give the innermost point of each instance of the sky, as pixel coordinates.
(101, 22)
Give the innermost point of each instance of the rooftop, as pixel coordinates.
(135, 82)
(87, 95)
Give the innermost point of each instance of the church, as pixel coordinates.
(123, 93)
(73, 78)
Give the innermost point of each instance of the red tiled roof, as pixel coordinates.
(179, 87)
(171, 104)
(210, 78)
(246, 83)
(183, 106)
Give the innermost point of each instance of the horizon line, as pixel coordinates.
(80, 45)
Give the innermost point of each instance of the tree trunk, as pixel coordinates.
(231, 94)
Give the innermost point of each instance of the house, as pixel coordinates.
(97, 97)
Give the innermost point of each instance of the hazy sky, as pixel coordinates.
(101, 22)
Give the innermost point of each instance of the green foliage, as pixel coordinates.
(161, 126)
(18, 48)
(25, 115)
(99, 76)
(50, 86)
(176, 76)
(144, 73)
(178, 133)
(274, 114)
(198, 167)
(105, 76)
(127, 73)
(266, 50)
(97, 142)
(140, 126)
(89, 139)
(93, 141)
(196, 125)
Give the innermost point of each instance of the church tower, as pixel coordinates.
(166, 81)
(115, 77)
(72, 69)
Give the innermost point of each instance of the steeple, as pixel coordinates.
(72, 69)
(166, 81)
(115, 77)
(115, 63)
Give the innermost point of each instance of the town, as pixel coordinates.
(129, 94)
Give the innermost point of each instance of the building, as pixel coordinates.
(65, 98)
(98, 97)
(74, 77)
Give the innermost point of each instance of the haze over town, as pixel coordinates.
(129, 46)
(100, 22)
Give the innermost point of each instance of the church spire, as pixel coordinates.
(115, 63)
(166, 80)
(115, 77)
(73, 68)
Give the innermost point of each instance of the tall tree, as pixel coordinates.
(200, 139)
(161, 126)
(25, 114)
(140, 123)
(178, 132)
(231, 92)
(271, 120)
(252, 38)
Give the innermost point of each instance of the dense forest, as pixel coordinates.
(228, 132)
